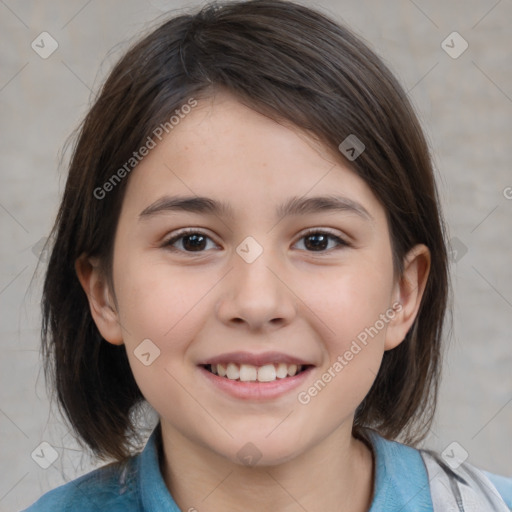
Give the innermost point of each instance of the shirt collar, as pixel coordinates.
(401, 482)
(152, 489)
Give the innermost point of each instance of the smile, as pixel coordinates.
(251, 373)
(256, 390)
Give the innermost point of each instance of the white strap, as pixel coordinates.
(463, 489)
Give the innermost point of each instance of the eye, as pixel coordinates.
(190, 241)
(318, 241)
(197, 241)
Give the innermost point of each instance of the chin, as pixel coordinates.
(258, 450)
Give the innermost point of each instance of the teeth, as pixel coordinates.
(221, 369)
(232, 372)
(282, 371)
(267, 373)
(250, 373)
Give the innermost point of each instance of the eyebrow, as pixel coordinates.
(293, 206)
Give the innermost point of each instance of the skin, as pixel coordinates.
(293, 299)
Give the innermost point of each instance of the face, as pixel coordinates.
(256, 286)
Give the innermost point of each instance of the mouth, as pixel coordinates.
(255, 376)
(250, 373)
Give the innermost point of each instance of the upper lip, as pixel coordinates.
(254, 359)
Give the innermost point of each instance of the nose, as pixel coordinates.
(256, 296)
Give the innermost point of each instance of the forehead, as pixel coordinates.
(241, 159)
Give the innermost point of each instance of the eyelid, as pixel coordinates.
(340, 239)
(327, 231)
(182, 233)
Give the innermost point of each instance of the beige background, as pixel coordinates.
(464, 103)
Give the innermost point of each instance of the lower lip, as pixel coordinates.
(256, 390)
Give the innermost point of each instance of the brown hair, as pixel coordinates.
(286, 61)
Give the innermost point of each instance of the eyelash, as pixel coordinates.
(341, 243)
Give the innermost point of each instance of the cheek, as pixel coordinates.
(158, 304)
(350, 305)
(349, 300)
(350, 308)
(362, 319)
(154, 299)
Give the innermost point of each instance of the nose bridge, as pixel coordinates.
(256, 293)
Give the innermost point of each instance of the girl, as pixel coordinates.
(250, 241)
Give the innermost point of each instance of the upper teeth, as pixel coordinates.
(248, 372)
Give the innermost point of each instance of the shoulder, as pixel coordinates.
(459, 482)
(400, 478)
(503, 486)
(420, 479)
(112, 487)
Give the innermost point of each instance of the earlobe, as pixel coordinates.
(101, 303)
(408, 293)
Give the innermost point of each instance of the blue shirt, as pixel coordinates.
(401, 483)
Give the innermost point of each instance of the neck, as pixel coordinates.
(336, 474)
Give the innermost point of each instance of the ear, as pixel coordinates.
(407, 294)
(101, 302)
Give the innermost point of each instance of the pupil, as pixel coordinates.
(320, 243)
(197, 242)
